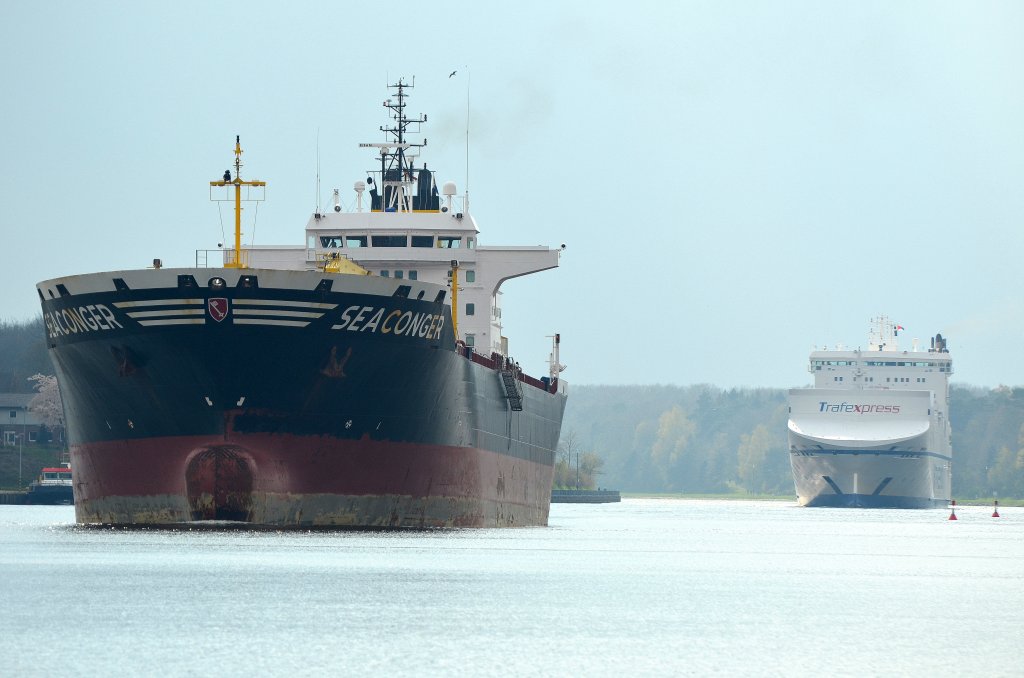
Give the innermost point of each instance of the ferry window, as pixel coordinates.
(384, 274)
(470, 243)
(389, 241)
(330, 241)
(470, 309)
(470, 340)
(399, 274)
(470, 276)
(413, 275)
(422, 241)
(449, 241)
(355, 241)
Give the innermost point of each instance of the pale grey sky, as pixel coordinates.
(735, 182)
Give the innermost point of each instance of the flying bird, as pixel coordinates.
(452, 74)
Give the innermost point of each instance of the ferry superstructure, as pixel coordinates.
(874, 430)
(359, 379)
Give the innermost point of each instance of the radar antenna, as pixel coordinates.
(397, 174)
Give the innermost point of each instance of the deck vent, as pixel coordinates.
(248, 282)
(187, 281)
(440, 297)
(402, 291)
(120, 284)
(420, 295)
(324, 286)
(40, 293)
(63, 291)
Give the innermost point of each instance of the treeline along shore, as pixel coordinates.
(689, 439)
(708, 440)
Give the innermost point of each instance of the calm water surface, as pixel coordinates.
(645, 587)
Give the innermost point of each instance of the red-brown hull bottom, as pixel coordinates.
(291, 481)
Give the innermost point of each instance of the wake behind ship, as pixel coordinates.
(358, 380)
(874, 431)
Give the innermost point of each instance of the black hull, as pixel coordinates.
(49, 495)
(274, 383)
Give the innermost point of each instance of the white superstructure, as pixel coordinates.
(403, 225)
(874, 430)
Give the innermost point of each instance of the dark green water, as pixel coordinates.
(645, 587)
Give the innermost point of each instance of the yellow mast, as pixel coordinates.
(455, 298)
(237, 183)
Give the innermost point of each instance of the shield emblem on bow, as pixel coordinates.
(217, 308)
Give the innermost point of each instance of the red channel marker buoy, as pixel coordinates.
(952, 510)
(995, 509)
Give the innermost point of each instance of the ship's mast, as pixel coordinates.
(396, 171)
(237, 183)
(883, 335)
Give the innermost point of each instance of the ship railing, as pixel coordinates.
(220, 258)
(499, 362)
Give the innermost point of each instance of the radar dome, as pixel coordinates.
(448, 188)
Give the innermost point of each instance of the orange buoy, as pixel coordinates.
(952, 510)
(995, 509)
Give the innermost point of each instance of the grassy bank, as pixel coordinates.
(33, 458)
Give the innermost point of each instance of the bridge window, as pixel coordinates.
(330, 241)
(449, 241)
(422, 241)
(384, 274)
(413, 275)
(399, 274)
(355, 241)
(389, 241)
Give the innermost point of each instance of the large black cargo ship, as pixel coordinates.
(359, 380)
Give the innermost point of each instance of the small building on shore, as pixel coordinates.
(20, 425)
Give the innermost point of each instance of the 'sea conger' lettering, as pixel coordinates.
(381, 320)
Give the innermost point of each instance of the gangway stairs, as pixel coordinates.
(512, 389)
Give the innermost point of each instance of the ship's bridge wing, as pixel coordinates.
(502, 263)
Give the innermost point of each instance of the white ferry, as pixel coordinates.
(874, 431)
